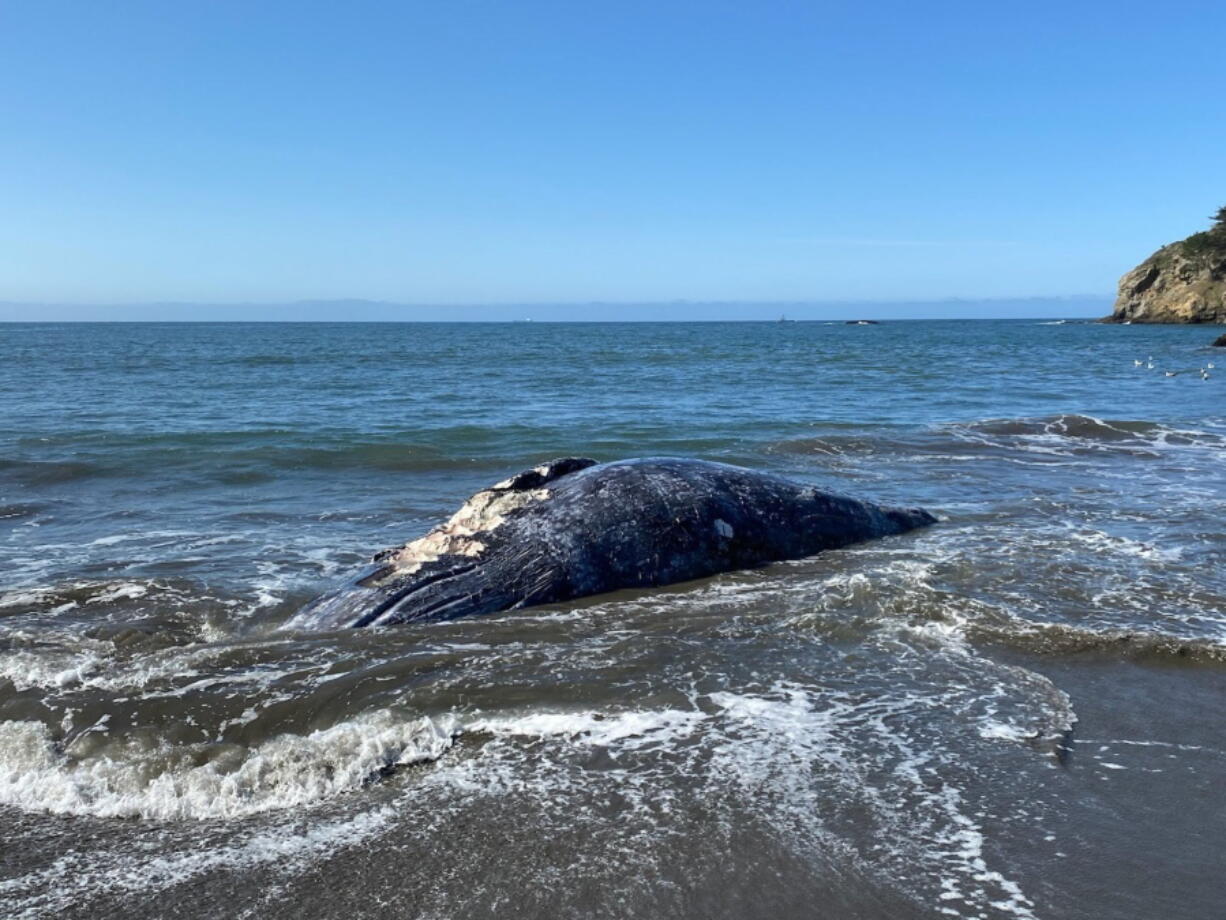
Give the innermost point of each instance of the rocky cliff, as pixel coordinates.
(1184, 282)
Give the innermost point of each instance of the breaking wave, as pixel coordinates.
(144, 777)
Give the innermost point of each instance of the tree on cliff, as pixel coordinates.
(1208, 245)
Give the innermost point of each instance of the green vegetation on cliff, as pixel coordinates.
(1209, 244)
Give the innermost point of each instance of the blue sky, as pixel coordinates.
(521, 152)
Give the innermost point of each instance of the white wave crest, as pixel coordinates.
(628, 730)
(128, 779)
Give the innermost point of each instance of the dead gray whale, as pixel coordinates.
(574, 527)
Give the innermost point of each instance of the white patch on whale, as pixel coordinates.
(482, 513)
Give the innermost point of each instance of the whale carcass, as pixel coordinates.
(574, 527)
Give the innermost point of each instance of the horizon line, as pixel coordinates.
(518, 304)
(839, 321)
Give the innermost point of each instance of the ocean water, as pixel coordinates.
(1015, 713)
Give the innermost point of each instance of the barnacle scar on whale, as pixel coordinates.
(574, 527)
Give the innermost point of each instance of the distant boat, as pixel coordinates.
(783, 319)
(862, 322)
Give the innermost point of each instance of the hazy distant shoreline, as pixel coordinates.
(1072, 307)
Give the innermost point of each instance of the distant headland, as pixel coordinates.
(1183, 282)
